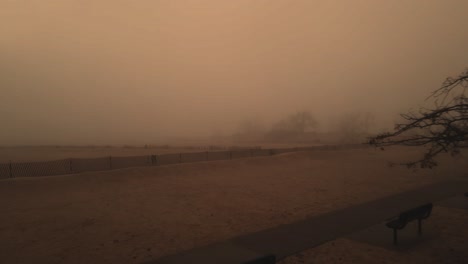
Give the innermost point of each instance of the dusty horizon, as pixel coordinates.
(125, 72)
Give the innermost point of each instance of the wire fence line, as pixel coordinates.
(78, 165)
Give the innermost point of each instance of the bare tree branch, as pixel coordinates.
(442, 129)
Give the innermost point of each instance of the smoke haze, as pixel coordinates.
(115, 72)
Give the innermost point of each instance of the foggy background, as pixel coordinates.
(147, 71)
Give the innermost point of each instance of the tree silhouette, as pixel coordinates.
(297, 123)
(301, 121)
(442, 129)
(293, 127)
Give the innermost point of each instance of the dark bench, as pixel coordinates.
(418, 213)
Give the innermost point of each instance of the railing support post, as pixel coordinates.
(11, 170)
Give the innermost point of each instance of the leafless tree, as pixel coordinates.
(294, 126)
(441, 129)
(297, 123)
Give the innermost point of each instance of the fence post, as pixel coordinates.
(110, 162)
(11, 172)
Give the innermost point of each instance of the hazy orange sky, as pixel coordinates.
(114, 71)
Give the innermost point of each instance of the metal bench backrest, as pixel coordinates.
(421, 212)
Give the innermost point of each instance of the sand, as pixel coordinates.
(138, 214)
